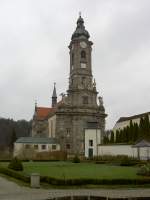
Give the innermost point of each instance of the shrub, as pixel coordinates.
(110, 158)
(128, 162)
(144, 170)
(76, 159)
(122, 160)
(16, 164)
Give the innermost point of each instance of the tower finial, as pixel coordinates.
(79, 13)
(80, 31)
(35, 105)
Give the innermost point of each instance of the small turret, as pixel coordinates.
(54, 97)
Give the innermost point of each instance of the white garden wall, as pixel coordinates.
(124, 150)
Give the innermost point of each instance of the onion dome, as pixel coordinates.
(80, 31)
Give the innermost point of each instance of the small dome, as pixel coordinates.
(80, 31)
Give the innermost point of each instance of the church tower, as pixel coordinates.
(82, 89)
(79, 109)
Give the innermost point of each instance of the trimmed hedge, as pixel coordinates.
(67, 182)
(71, 182)
(15, 174)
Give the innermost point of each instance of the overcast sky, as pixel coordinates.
(34, 39)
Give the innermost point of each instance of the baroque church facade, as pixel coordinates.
(80, 108)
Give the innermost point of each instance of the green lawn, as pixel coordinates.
(80, 170)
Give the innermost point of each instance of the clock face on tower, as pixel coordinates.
(83, 44)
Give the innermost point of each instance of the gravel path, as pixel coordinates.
(11, 191)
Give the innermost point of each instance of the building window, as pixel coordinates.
(43, 146)
(68, 132)
(90, 143)
(83, 54)
(85, 100)
(38, 132)
(67, 146)
(54, 146)
(35, 146)
(27, 146)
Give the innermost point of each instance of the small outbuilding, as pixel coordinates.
(30, 145)
(143, 149)
(93, 138)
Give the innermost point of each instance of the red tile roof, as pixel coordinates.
(43, 112)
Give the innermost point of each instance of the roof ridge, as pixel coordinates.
(121, 119)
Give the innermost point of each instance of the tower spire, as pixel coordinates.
(80, 31)
(54, 96)
(79, 13)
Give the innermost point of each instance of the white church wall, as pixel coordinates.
(128, 150)
(52, 126)
(92, 140)
(144, 153)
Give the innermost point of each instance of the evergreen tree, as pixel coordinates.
(131, 132)
(105, 140)
(117, 137)
(121, 139)
(125, 135)
(136, 132)
(146, 126)
(141, 128)
(112, 137)
(13, 138)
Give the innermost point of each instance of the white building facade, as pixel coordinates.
(93, 138)
(125, 121)
(31, 145)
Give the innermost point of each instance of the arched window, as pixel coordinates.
(83, 54)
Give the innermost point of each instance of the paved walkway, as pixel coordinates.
(11, 191)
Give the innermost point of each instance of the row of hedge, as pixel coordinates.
(83, 181)
(71, 182)
(15, 174)
(122, 160)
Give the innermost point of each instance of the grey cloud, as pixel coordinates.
(34, 36)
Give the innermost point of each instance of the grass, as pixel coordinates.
(68, 170)
(80, 170)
